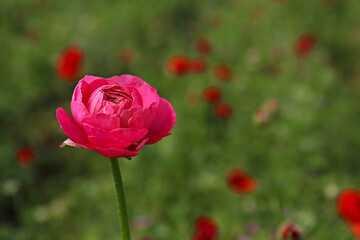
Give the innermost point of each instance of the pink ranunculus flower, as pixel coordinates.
(116, 116)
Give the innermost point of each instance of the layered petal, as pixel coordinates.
(78, 111)
(117, 138)
(163, 123)
(103, 121)
(115, 153)
(71, 129)
(148, 93)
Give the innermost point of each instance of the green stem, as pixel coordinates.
(120, 197)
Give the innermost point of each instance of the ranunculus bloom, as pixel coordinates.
(348, 207)
(223, 72)
(69, 63)
(178, 65)
(205, 229)
(25, 155)
(202, 46)
(116, 116)
(240, 182)
(304, 44)
(212, 94)
(289, 231)
(197, 65)
(222, 110)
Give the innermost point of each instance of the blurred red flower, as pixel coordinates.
(223, 72)
(205, 229)
(127, 55)
(289, 231)
(202, 46)
(178, 65)
(304, 44)
(240, 182)
(212, 94)
(25, 155)
(198, 65)
(69, 63)
(223, 110)
(348, 207)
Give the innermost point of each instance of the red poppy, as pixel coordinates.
(127, 55)
(240, 182)
(202, 46)
(198, 66)
(223, 72)
(205, 229)
(304, 44)
(348, 207)
(212, 94)
(25, 155)
(289, 231)
(222, 110)
(178, 65)
(69, 63)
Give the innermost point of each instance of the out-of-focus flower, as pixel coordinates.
(239, 181)
(348, 207)
(304, 44)
(205, 229)
(212, 94)
(222, 110)
(142, 222)
(252, 56)
(271, 105)
(223, 72)
(127, 55)
(116, 116)
(260, 117)
(25, 155)
(69, 63)
(252, 227)
(178, 65)
(289, 231)
(197, 65)
(202, 46)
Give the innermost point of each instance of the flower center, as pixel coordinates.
(115, 95)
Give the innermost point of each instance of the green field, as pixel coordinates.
(301, 157)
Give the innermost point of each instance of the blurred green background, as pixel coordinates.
(300, 158)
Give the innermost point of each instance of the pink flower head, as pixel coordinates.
(116, 116)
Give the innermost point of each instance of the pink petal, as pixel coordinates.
(117, 138)
(115, 153)
(164, 122)
(136, 148)
(71, 129)
(70, 143)
(126, 114)
(103, 121)
(86, 86)
(144, 118)
(79, 111)
(148, 93)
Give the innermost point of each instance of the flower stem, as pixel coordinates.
(120, 197)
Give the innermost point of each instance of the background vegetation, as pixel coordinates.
(301, 157)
